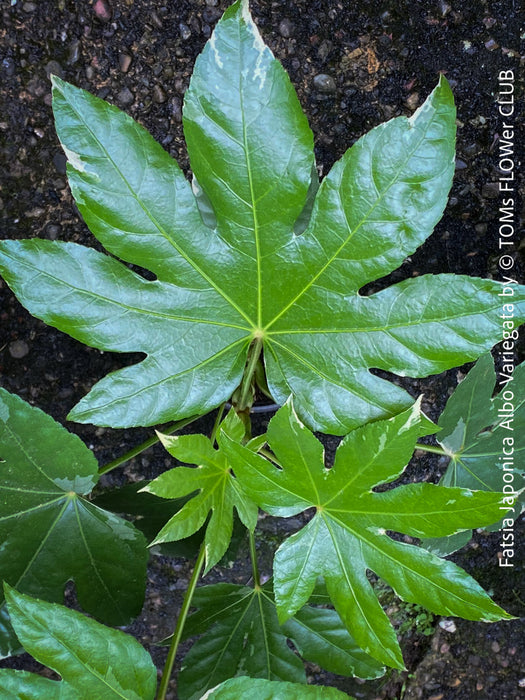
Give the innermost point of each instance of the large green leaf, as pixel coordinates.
(49, 533)
(241, 634)
(93, 661)
(215, 490)
(251, 278)
(259, 689)
(475, 429)
(348, 533)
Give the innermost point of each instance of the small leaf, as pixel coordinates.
(348, 533)
(258, 689)
(216, 490)
(49, 533)
(473, 427)
(93, 661)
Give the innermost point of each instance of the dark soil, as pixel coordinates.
(383, 58)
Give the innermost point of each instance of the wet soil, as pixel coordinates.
(353, 65)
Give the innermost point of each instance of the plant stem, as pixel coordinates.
(431, 448)
(168, 430)
(253, 556)
(246, 384)
(270, 456)
(218, 419)
(177, 634)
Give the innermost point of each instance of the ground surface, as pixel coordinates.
(382, 60)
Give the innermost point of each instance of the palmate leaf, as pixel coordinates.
(259, 689)
(348, 533)
(251, 278)
(93, 661)
(474, 430)
(49, 533)
(242, 635)
(216, 491)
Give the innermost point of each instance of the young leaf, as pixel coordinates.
(93, 661)
(258, 689)
(241, 634)
(473, 428)
(252, 278)
(49, 533)
(215, 489)
(348, 533)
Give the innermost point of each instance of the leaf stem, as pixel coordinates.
(251, 366)
(431, 448)
(168, 430)
(177, 634)
(218, 419)
(270, 456)
(253, 556)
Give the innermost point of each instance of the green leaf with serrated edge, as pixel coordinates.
(216, 490)
(93, 661)
(473, 425)
(49, 533)
(348, 533)
(251, 151)
(245, 638)
(241, 634)
(258, 689)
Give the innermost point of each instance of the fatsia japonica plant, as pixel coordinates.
(258, 273)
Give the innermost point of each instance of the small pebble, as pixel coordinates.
(73, 53)
(460, 164)
(125, 97)
(491, 45)
(8, 67)
(18, 349)
(448, 625)
(490, 190)
(185, 31)
(495, 647)
(59, 161)
(444, 8)
(124, 61)
(53, 231)
(324, 83)
(29, 7)
(412, 101)
(54, 68)
(286, 28)
(176, 109)
(159, 95)
(102, 10)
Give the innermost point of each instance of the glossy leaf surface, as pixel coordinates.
(258, 689)
(474, 427)
(50, 534)
(348, 533)
(229, 266)
(93, 661)
(241, 634)
(216, 492)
